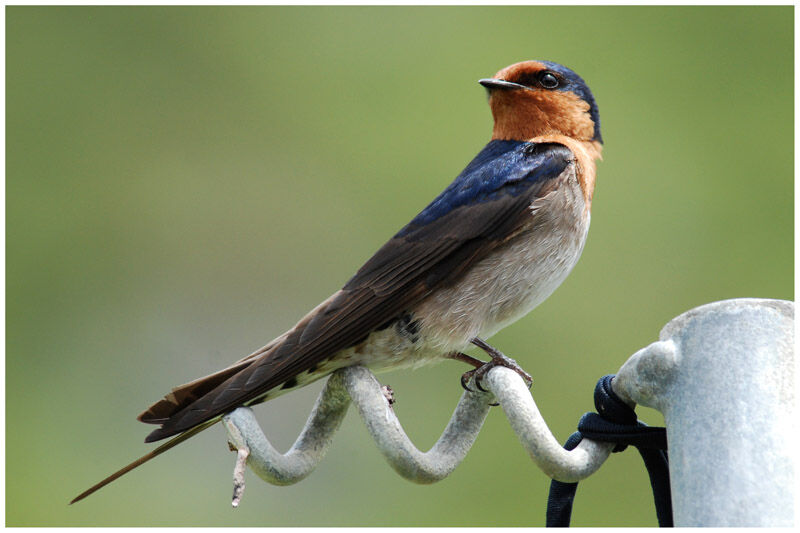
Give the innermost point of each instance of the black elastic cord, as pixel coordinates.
(617, 423)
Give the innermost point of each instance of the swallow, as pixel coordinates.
(485, 252)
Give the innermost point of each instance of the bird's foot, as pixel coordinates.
(498, 359)
(464, 358)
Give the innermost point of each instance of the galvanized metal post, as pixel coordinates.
(723, 375)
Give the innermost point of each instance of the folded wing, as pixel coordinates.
(480, 210)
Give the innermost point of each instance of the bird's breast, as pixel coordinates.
(517, 276)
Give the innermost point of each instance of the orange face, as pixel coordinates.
(539, 99)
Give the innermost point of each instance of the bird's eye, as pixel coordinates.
(548, 80)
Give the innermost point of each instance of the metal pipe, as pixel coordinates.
(359, 385)
(723, 375)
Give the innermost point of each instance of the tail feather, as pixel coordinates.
(276, 365)
(140, 461)
(189, 405)
(189, 409)
(164, 410)
(228, 394)
(184, 395)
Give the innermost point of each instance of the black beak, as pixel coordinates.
(492, 83)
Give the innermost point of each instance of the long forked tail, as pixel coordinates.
(178, 399)
(190, 408)
(143, 459)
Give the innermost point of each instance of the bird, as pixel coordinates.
(486, 251)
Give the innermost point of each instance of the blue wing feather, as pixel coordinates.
(502, 167)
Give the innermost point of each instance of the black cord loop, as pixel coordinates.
(617, 423)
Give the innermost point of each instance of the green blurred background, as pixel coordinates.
(184, 183)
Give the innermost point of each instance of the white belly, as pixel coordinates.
(527, 276)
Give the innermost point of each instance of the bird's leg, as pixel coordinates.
(464, 358)
(498, 359)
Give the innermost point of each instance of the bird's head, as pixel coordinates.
(539, 98)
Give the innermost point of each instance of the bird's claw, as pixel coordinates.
(466, 376)
(498, 359)
(473, 374)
